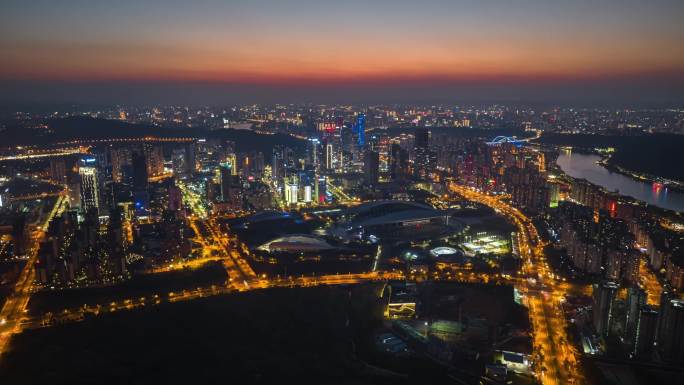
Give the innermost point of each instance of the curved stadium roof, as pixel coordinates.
(382, 208)
(296, 243)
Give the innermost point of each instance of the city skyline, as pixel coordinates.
(501, 242)
(342, 192)
(216, 52)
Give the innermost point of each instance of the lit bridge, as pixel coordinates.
(506, 139)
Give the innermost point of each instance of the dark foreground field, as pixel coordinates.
(273, 336)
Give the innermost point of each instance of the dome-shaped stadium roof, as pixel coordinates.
(296, 243)
(384, 207)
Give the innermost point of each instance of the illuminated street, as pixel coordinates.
(558, 356)
(650, 283)
(12, 315)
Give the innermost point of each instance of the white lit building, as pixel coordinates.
(89, 188)
(291, 191)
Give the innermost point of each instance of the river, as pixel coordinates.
(585, 166)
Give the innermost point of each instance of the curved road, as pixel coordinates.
(559, 364)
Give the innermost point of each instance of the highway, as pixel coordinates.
(32, 153)
(13, 311)
(91, 310)
(339, 194)
(240, 274)
(193, 200)
(557, 357)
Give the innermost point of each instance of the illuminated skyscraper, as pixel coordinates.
(291, 193)
(231, 159)
(307, 194)
(425, 159)
(89, 185)
(279, 163)
(361, 129)
(178, 162)
(230, 185)
(120, 158)
(4, 198)
(329, 156)
(312, 152)
(154, 159)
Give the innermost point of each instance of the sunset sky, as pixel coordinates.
(348, 50)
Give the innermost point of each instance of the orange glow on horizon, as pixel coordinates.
(268, 63)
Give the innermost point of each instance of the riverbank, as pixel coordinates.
(645, 157)
(672, 185)
(589, 166)
(611, 165)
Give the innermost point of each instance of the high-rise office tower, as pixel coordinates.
(90, 189)
(424, 159)
(231, 159)
(603, 315)
(139, 171)
(278, 164)
(398, 162)
(321, 189)
(178, 160)
(190, 160)
(229, 185)
(120, 157)
(328, 156)
(361, 129)
(291, 193)
(154, 158)
(312, 152)
(308, 194)
(371, 167)
(4, 199)
(383, 148)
